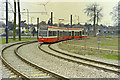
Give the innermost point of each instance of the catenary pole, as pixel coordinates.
(71, 20)
(14, 29)
(84, 41)
(51, 18)
(6, 21)
(19, 20)
(37, 27)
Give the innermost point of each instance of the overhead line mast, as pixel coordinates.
(6, 21)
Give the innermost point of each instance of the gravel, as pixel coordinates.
(20, 65)
(60, 66)
(45, 47)
(5, 72)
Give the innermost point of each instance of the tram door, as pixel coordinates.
(80, 34)
(72, 34)
(58, 35)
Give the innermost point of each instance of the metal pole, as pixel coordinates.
(51, 18)
(94, 21)
(6, 21)
(31, 20)
(78, 19)
(14, 20)
(71, 20)
(20, 28)
(99, 44)
(84, 41)
(28, 16)
(98, 49)
(37, 27)
(19, 20)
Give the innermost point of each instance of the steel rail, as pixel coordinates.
(37, 66)
(8, 65)
(117, 72)
(78, 57)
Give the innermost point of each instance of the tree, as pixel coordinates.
(2, 24)
(10, 25)
(23, 23)
(42, 23)
(55, 24)
(94, 12)
(49, 22)
(114, 13)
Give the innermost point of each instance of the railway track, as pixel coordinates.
(22, 67)
(88, 62)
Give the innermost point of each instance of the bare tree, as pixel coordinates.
(114, 13)
(94, 12)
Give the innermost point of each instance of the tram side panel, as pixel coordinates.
(76, 35)
(70, 35)
(61, 35)
(66, 35)
(53, 35)
(83, 34)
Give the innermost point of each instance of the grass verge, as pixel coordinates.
(108, 47)
(3, 41)
(113, 57)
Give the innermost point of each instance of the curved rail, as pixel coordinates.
(112, 65)
(10, 66)
(117, 72)
(37, 66)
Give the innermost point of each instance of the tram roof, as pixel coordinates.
(62, 28)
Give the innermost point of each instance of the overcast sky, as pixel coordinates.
(62, 9)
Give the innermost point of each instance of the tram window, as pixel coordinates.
(43, 28)
(69, 33)
(61, 34)
(66, 33)
(54, 33)
(76, 33)
(50, 33)
(43, 33)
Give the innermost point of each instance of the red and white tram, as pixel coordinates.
(53, 34)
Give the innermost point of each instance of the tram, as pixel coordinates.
(53, 34)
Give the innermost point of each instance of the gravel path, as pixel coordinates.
(23, 67)
(68, 69)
